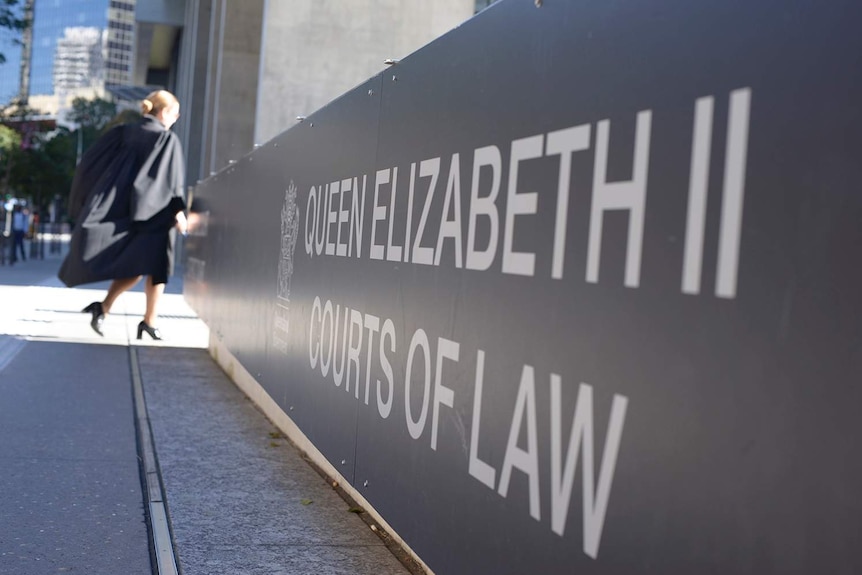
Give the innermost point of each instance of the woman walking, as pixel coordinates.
(127, 200)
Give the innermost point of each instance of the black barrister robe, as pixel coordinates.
(125, 196)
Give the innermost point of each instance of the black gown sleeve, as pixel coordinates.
(160, 181)
(94, 164)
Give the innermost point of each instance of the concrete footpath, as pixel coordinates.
(240, 499)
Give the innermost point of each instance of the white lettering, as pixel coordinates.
(425, 255)
(343, 218)
(314, 344)
(629, 196)
(338, 373)
(309, 229)
(562, 475)
(733, 194)
(420, 339)
(319, 223)
(331, 218)
(354, 347)
(564, 143)
(393, 252)
(697, 190)
(478, 468)
(409, 211)
(442, 395)
(527, 461)
(387, 333)
(358, 216)
(485, 206)
(451, 228)
(519, 263)
(327, 312)
(378, 214)
(372, 324)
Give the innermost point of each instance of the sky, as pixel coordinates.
(51, 18)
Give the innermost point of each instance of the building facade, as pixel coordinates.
(51, 19)
(243, 70)
(78, 48)
(120, 45)
(247, 70)
(79, 60)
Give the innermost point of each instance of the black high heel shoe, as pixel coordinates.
(98, 313)
(153, 331)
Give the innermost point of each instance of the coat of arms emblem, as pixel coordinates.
(289, 235)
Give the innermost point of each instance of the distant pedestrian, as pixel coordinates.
(19, 231)
(34, 225)
(127, 199)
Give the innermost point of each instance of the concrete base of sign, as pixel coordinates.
(259, 396)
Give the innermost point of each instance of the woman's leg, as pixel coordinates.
(154, 293)
(118, 287)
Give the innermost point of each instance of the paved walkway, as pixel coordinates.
(240, 499)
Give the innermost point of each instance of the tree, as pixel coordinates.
(93, 113)
(9, 140)
(14, 139)
(44, 170)
(91, 116)
(10, 19)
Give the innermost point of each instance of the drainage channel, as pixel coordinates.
(162, 544)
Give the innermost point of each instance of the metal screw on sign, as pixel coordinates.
(390, 61)
(538, 3)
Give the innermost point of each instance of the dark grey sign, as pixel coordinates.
(573, 289)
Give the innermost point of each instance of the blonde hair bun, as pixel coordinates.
(156, 101)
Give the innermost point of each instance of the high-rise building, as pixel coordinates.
(51, 18)
(121, 42)
(64, 58)
(78, 60)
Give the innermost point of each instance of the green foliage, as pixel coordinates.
(94, 113)
(45, 169)
(45, 166)
(9, 140)
(93, 118)
(11, 19)
(13, 138)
